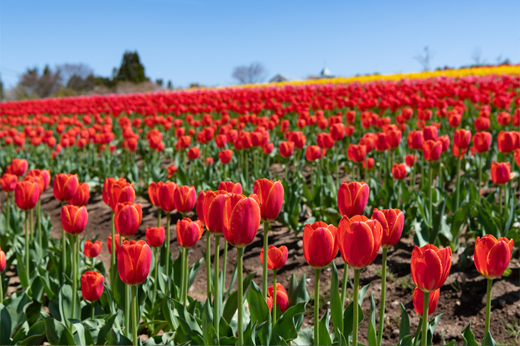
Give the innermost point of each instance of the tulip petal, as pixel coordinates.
(498, 259)
(428, 270)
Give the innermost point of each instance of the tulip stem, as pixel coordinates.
(113, 263)
(64, 246)
(167, 244)
(413, 174)
(183, 274)
(344, 289)
(1, 290)
(421, 181)
(488, 305)
(74, 277)
(158, 217)
(355, 308)
(8, 210)
(337, 169)
(240, 252)
(480, 177)
(134, 315)
(208, 265)
(31, 225)
(92, 310)
(425, 318)
(266, 242)
(224, 266)
(457, 198)
(383, 296)
(316, 306)
(430, 202)
(417, 332)
(274, 296)
(156, 271)
(216, 284)
(186, 276)
(39, 214)
(27, 246)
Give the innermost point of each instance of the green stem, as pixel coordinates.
(156, 271)
(488, 305)
(216, 300)
(63, 246)
(1, 290)
(430, 178)
(134, 315)
(337, 169)
(208, 265)
(39, 213)
(158, 217)
(167, 244)
(240, 252)
(113, 262)
(31, 227)
(355, 308)
(266, 242)
(74, 276)
(383, 296)
(274, 296)
(421, 181)
(186, 272)
(27, 245)
(426, 302)
(8, 210)
(413, 175)
(457, 198)
(344, 290)
(224, 266)
(316, 306)
(183, 275)
(479, 177)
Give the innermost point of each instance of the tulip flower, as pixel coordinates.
(278, 297)
(185, 198)
(153, 193)
(8, 182)
(155, 236)
(356, 152)
(127, 218)
(92, 249)
(517, 157)
(3, 262)
(194, 153)
(166, 200)
(118, 240)
(81, 196)
(65, 186)
(92, 288)
(121, 191)
(369, 163)
(430, 133)
(399, 171)
(501, 172)
(276, 257)
(18, 167)
(134, 259)
(188, 233)
(286, 149)
(506, 141)
(418, 301)
(352, 198)
(225, 156)
(313, 153)
(230, 187)
(241, 219)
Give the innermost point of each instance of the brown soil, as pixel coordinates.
(462, 296)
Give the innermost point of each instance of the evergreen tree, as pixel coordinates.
(131, 69)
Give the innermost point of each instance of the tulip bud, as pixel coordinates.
(240, 219)
(92, 285)
(501, 172)
(92, 250)
(276, 257)
(121, 191)
(74, 219)
(320, 244)
(462, 138)
(359, 240)
(26, 194)
(482, 141)
(155, 236)
(418, 301)
(430, 266)
(270, 195)
(392, 224)
(133, 261)
(117, 240)
(81, 196)
(166, 196)
(127, 218)
(64, 186)
(189, 232)
(184, 198)
(352, 198)
(282, 299)
(492, 256)
(410, 160)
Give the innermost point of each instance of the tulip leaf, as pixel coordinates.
(348, 314)
(231, 305)
(16, 305)
(437, 221)
(57, 333)
(431, 328)
(336, 305)
(194, 270)
(372, 333)
(250, 334)
(101, 337)
(305, 337)
(34, 336)
(210, 335)
(5, 326)
(406, 341)
(468, 336)
(285, 326)
(259, 312)
(404, 326)
(323, 325)
(510, 216)
(488, 340)
(188, 324)
(167, 309)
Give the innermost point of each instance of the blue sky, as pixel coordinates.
(201, 41)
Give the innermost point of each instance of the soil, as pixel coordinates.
(462, 299)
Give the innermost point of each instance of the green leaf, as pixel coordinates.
(57, 333)
(404, 326)
(16, 305)
(305, 337)
(488, 340)
(210, 335)
(372, 333)
(336, 305)
(259, 312)
(231, 305)
(323, 325)
(285, 326)
(34, 336)
(5, 326)
(109, 322)
(431, 328)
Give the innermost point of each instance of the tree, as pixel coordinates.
(2, 95)
(425, 58)
(32, 84)
(251, 74)
(131, 69)
(170, 85)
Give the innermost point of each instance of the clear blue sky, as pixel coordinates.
(201, 41)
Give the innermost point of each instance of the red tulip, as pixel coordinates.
(380, 141)
(454, 119)
(506, 141)
(74, 219)
(165, 196)
(313, 153)
(276, 257)
(504, 118)
(359, 240)
(3, 261)
(286, 149)
(189, 232)
(18, 167)
(399, 171)
(432, 150)
(92, 285)
(270, 195)
(155, 236)
(517, 157)
(210, 206)
(121, 191)
(352, 198)
(392, 224)
(410, 160)
(282, 299)
(337, 131)
(133, 261)
(482, 142)
(356, 152)
(415, 140)
(393, 138)
(369, 163)
(430, 266)
(418, 301)
(430, 133)
(194, 153)
(127, 218)
(44, 174)
(267, 148)
(501, 172)
(462, 138)
(320, 244)
(171, 171)
(117, 240)
(91, 249)
(64, 186)
(240, 219)
(230, 187)
(492, 256)
(184, 198)
(81, 196)
(225, 156)
(445, 141)
(153, 193)
(481, 123)
(8, 182)
(26, 194)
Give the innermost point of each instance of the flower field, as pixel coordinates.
(369, 210)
